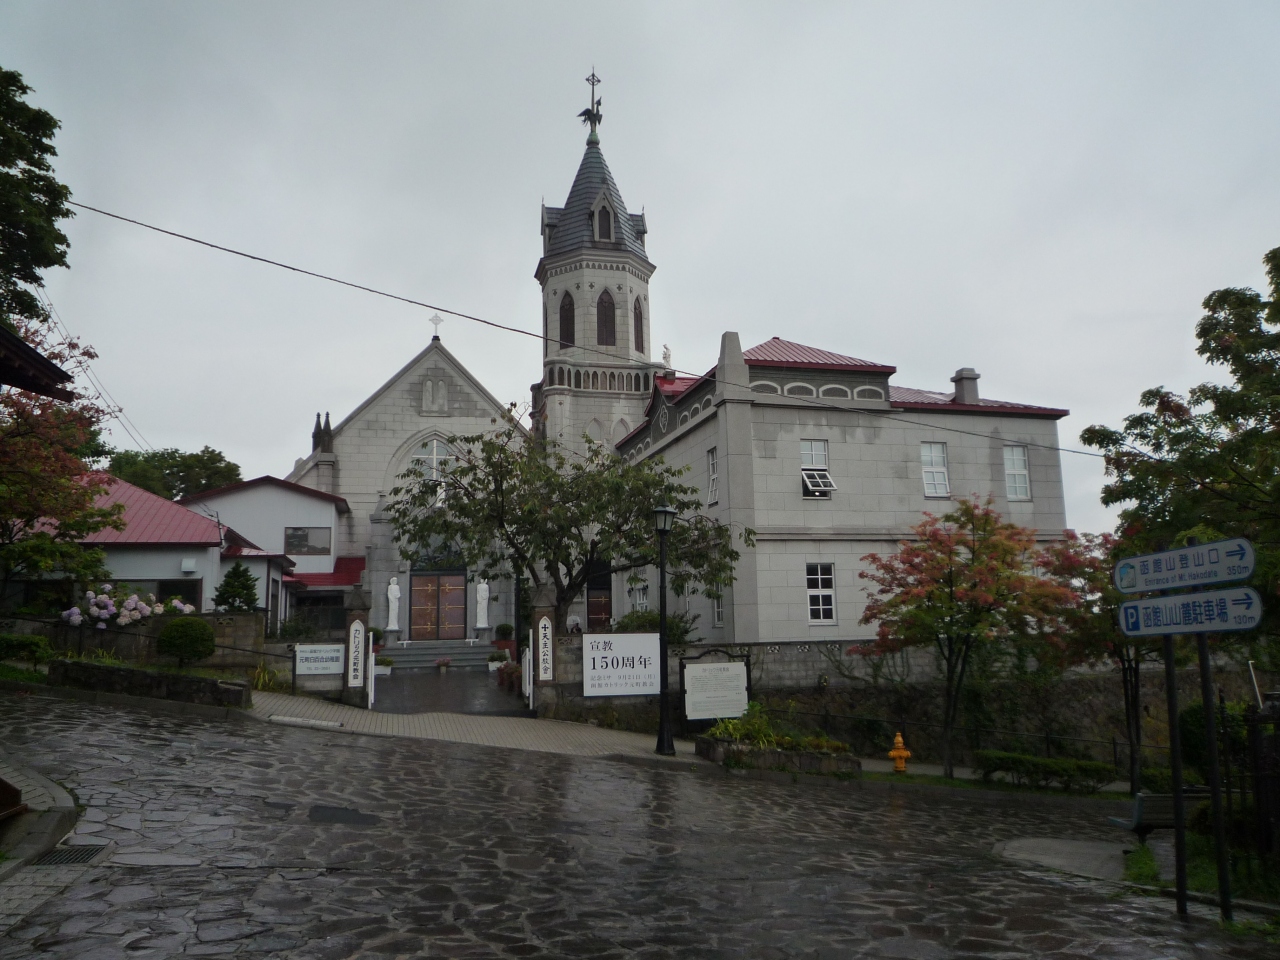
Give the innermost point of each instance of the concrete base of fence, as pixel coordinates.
(128, 681)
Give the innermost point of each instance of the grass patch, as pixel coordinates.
(21, 674)
(1003, 786)
(1140, 866)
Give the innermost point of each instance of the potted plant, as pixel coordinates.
(443, 664)
(382, 666)
(497, 659)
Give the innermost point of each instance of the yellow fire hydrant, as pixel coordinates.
(899, 754)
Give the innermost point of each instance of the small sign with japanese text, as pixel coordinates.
(619, 664)
(1201, 565)
(1214, 611)
(546, 658)
(318, 659)
(356, 665)
(713, 691)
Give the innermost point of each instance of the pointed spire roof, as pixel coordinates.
(571, 224)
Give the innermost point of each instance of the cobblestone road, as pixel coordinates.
(236, 838)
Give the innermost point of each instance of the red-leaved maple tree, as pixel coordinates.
(966, 584)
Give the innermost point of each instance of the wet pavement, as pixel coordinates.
(243, 839)
(458, 691)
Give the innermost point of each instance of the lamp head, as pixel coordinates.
(663, 518)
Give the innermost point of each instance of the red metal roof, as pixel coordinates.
(346, 572)
(154, 521)
(341, 502)
(675, 386)
(910, 398)
(784, 353)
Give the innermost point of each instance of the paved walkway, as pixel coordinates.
(519, 733)
(37, 792)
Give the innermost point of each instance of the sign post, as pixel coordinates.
(546, 651)
(357, 665)
(1224, 610)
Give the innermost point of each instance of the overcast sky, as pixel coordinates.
(1045, 192)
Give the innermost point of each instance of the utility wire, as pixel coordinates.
(537, 336)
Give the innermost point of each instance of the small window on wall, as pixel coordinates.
(814, 475)
(307, 541)
(1017, 476)
(640, 598)
(820, 581)
(933, 462)
(717, 611)
(713, 477)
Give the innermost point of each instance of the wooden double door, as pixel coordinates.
(438, 606)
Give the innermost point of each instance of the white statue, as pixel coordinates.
(666, 357)
(482, 604)
(393, 604)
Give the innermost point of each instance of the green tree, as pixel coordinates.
(186, 639)
(238, 592)
(507, 501)
(965, 588)
(173, 474)
(32, 201)
(1207, 464)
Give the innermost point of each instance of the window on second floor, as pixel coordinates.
(717, 611)
(933, 462)
(1017, 474)
(814, 473)
(307, 541)
(713, 477)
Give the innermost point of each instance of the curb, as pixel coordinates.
(100, 698)
(35, 833)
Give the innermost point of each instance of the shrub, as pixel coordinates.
(504, 631)
(238, 592)
(296, 628)
(1084, 776)
(29, 648)
(752, 727)
(384, 662)
(187, 638)
(1195, 745)
(265, 678)
(499, 656)
(680, 626)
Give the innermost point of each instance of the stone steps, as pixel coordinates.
(425, 653)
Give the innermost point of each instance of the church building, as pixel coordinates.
(819, 452)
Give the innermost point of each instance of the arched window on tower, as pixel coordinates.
(560, 377)
(638, 316)
(606, 328)
(604, 223)
(577, 379)
(566, 321)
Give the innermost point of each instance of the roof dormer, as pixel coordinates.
(604, 220)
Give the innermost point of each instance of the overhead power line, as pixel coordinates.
(522, 332)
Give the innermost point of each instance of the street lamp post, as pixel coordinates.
(663, 518)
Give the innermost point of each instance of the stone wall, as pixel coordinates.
(238, 636)
(145, 683)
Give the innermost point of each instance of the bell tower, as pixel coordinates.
(594, 273)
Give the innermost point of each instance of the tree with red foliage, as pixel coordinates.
(47, 491)
(966, 586)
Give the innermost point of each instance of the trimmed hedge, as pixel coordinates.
(29, 648)
(1083, 776)
(187, 638)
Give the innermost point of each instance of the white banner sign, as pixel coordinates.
(715, 690)
(546, 659)
(1214, 611)
(313, 659)
(619, 664)
(356, 666)
(1204, 565)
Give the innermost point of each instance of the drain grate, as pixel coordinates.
(59, 856)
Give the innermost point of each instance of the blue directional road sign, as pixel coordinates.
(1214, 611)
(1204, 565)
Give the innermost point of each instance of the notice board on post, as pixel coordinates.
(713, 691)
(619, 664)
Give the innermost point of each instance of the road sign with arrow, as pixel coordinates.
(1213, 611)
(1202, 565)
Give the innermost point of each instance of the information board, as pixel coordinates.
(1202, 565)
(546, 656)
(1213, 611)
(619, 664)
(713, 691)
(314, 659)
(356, 665)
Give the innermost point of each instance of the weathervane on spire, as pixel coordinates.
(592, 114)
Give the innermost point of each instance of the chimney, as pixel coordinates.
(315, 435)
(966, 381)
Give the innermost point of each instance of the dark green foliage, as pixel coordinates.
(187, 639)
(32, 202)
(173, 474)
(297, 628)
(680, 626)
(504, 631)
(1140, 866)
(1195, 742)
(28, 648)
(21, 675)
(1082, 776)
(238, 592)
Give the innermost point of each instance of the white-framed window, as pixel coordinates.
(1017, 474)
(713, 477)
(717, 611)
(640, 598)
(431, 460)
(820, 582)
(933, 462)
(814, 473)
